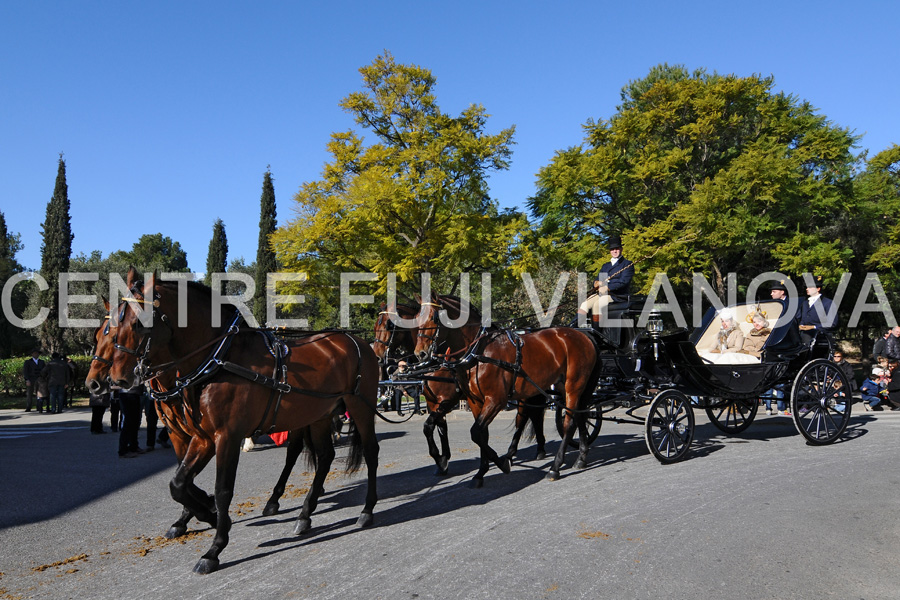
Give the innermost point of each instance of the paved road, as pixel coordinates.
(762, 515)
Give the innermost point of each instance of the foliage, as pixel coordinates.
(265, 255)
(12, 383)
(703, 173)
(154, 252)
(415, 200)
(217, 258)
(55, 252)
(12, 339)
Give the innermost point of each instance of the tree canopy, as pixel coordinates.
(414, 199)
(154, 251)
(217, 257)
(704, 173)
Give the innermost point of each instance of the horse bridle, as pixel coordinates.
(437, 330)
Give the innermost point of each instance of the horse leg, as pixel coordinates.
(481, 436)
(295, 447)
(180, 441)
(323, 447)
(583, 447)
(185, 492)
(568, 433)
(228, 451)
(441, 457)
(364, 439)
(521, 423)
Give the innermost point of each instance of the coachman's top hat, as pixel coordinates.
(614, 241)
(779, 285)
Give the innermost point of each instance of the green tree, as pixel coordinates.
(217, 258)
(13, 341)
(703, 173)
(56, 250)
(154, 251)
(265, 256)
(414, 200)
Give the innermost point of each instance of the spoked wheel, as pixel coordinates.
(384, 406)
(669, 429)
(593, 420)
(820, 402)
(734, 416)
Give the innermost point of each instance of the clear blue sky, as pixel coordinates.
(169, 112)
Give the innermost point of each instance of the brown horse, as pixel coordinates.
(441, 389)
(500, 366)
(97, 382)
(242, 380)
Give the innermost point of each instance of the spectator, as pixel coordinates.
(152, 420)
(98, 406)
(893, 386)
(892, 345)
(114, 412)
(57, 375)
(130, 404)
(879, 347)
(846, 368)
(73, 377)
(874, 389)
(31, 370)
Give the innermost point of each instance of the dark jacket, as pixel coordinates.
(57, 373)
(619, 278)
(847, 369)
(32, 371)
(892, 348)
(809, 315)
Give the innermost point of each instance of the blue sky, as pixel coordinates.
(168, 113)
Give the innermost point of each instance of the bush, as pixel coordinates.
(13, 384)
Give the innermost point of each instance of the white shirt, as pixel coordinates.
(812, 299)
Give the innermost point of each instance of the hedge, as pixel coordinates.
(13, 384)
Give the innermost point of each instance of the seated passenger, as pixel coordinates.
(753, 343)
(730, 338)
(728, 344)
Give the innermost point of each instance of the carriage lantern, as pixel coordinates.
(655, 324)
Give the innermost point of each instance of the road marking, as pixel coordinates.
(20, 432)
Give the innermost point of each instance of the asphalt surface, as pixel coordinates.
(760, 515)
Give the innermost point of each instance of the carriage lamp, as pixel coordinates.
(655, 324)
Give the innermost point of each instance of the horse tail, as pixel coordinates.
(355, 454)
(309, 449)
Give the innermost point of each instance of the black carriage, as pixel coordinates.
(666, 373)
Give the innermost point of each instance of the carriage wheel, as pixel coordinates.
(819, 406)
(735, 416)
(593, 420)
(669, 428)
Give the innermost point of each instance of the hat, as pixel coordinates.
(818, 281)
(614, 241)
(877, 371)
(726, 314)
(779, 285)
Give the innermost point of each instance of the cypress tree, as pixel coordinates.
(56, 249)
(217, 258)
(265, 256)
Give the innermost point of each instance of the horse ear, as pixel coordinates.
(150, 285)
(131, 277)
(418, 298)
(105, 303)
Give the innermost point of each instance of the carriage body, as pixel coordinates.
(667, 371)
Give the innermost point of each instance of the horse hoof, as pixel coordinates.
(441, 472)
(302, 526)
(175, 531)
(505, 464)
(205, 566)
(552, 476)
(580, 464)
(365, 520)
(477, 483)
(541, 455)
(271, 509)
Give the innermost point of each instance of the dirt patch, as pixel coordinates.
(68, 561)
(147, 545)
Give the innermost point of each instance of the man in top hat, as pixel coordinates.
(613, 282)
(815, 314)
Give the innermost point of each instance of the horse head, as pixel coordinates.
(390, 336)
(97, 379)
